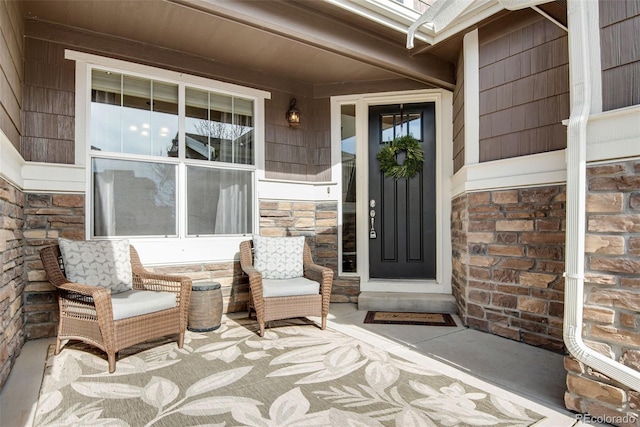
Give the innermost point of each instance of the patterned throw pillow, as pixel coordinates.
(278, 257)
(105, 263)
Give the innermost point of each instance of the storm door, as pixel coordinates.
(402, 212)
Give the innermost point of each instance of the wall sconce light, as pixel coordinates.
(293, 115)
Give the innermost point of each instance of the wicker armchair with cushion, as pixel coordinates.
(107, 299)
(284, 281)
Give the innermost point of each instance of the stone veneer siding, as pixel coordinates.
(318, 222)
(611, 315)
(46, 218)
(508, 260)
(49, 216)
(459, 252)
(233, 283)
(12, 285)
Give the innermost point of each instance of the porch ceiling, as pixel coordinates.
(310, 42)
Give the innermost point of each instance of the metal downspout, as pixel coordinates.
(579, 62)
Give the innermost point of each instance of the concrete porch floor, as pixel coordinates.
(530, 372)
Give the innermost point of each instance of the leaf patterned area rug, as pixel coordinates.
(297, 375)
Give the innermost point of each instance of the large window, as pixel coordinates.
(169, 159)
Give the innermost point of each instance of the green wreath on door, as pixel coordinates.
(412, 164)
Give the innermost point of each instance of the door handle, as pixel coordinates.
(372, 230)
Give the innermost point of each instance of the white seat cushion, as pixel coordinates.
(136, 303)
(289, 287)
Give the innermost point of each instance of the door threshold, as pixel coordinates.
(405, 286)
(422, 281)
(421, 302)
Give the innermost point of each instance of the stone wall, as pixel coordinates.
(459, 252)
(508, 260)
(233, 283)
(612, 291)
(318, 221)
(46, 217)
(49, 216)
(12, 284)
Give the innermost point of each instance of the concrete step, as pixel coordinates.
(407, 302)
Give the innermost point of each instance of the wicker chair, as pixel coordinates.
(86, 312)
(287, 307)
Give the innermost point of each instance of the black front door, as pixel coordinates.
(402, 222)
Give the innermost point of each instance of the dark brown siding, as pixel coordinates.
(49, 104)
(11, 70)
(458, 116)
(50, 97)
(49, 117)
(287, 148)
(322, 136)
(524, 88)
(301, 153)
(620, 53)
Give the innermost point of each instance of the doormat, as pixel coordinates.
(393, 318)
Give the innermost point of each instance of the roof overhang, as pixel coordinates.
(442, 20)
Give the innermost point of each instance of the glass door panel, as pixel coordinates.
(348, 148)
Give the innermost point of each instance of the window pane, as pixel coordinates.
(395, 125)
(133, 115)
(415, 125)
(388, 123)
(242, 132)
(164, 119)
(133, 198)
(348, 125)
(106, 101)
(136, 115)
(219, 201)
(218, 127)
(198, 128)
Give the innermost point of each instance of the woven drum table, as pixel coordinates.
(205, 308)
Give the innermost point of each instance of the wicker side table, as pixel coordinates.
(205, 308)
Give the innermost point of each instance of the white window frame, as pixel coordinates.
(180, 249)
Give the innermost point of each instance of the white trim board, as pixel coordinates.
(526, 171)
(53, 178)
(443, 100)
(11, 162)
(298, 190)
(160, 73)
(611, 135)
(614, 134)
(471, 105)
(192, 250)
